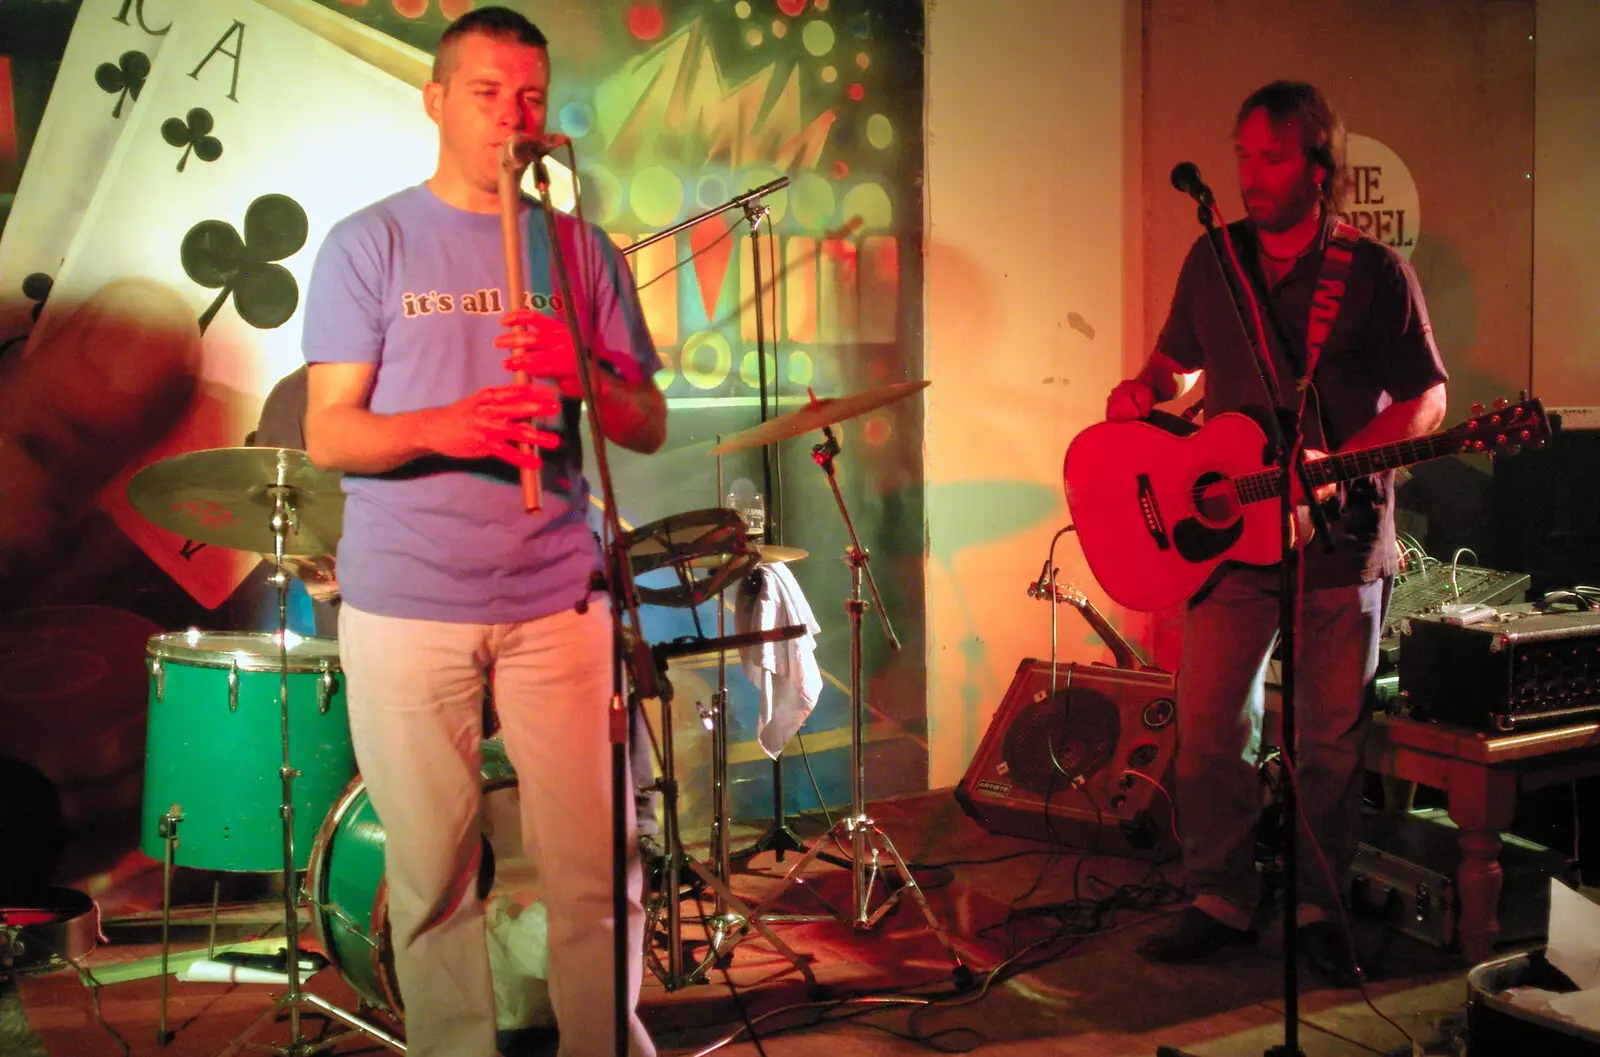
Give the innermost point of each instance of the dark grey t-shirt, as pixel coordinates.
(1381, 351)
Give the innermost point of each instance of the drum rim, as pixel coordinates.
(316, 892)
(175, 647)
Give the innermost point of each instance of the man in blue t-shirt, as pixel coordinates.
(1375, 377)
(445, 577)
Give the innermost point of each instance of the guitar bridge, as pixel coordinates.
(1153, 523)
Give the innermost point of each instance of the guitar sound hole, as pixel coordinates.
(1214, 501)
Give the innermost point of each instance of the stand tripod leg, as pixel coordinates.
(780, 838)
(963, 975)
(747, 921)
(168, 829)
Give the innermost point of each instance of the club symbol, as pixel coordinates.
(125, 77)
(264, 293)
(192, 134)
(36, 288)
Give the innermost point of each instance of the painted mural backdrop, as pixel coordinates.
(674, 107)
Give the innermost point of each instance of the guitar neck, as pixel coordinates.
(1349, 465)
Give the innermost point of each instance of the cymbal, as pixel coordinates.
(220, 496)
(771, 554)
(817, 414)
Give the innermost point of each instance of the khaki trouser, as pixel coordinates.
(415, 694)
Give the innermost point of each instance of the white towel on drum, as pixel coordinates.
(796, 679)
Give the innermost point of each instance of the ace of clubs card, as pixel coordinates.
(252, 138)
(110, 53)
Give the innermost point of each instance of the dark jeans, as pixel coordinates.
(1228, 638)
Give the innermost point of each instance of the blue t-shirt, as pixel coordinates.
(417, 287)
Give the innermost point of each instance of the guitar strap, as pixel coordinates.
(1325, 302)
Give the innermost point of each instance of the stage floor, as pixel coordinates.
(1059, 925)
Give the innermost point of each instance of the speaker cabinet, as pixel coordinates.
(1081, 766)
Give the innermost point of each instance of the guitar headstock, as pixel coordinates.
(1504, 428)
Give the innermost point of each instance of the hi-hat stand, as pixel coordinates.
(868, 843)
(294, 999)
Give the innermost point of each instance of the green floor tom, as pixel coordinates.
(215, 747)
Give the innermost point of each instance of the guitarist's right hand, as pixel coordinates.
(1131, 399)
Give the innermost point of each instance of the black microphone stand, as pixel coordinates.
(630, 654)
(1283, 429)
(779, 838)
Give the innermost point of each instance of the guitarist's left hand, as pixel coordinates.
(1324, 492)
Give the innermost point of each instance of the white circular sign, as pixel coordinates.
(1383, 198)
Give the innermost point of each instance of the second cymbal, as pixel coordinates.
(818, 413)
(771, 554)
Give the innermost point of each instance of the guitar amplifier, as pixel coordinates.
(1518, 669)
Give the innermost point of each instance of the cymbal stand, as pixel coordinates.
(868, 843)
(294, 999)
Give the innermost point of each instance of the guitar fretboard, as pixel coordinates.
(1344, 466)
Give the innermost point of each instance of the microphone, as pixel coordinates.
(765, 189)
(525, 150)
(1186, 178)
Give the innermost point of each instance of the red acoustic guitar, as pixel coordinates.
(1158, 512)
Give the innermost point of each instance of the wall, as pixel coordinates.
(1566, 211)
(1032, 171)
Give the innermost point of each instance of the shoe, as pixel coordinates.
(1191, 935)
(528, 1042)
(1328, 952)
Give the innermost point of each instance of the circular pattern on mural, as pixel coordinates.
(801, 368)
(880, 133)
(656, 194)
(752, 37)
(828, 74)
(742, 8)
(777, 204)
(711, 190)
(813, 200)
(791, 7)
(749, 373)
(668, 372)
(576, 119)
(780, 28)
(876, 431)
(706, 359)
(645, 20)
(871, 203)
(602, 195)
(817, 37)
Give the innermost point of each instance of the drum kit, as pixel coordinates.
(221, 763)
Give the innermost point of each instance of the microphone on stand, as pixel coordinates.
(770, 187)
(525, 150)
(1186, 178)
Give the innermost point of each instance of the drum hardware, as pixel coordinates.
(868, 843)
(815, 414)
(254, 499)
(733, 920)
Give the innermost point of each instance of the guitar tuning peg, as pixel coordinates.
(1477, 408)
(1501, 403)
(1522, 396)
